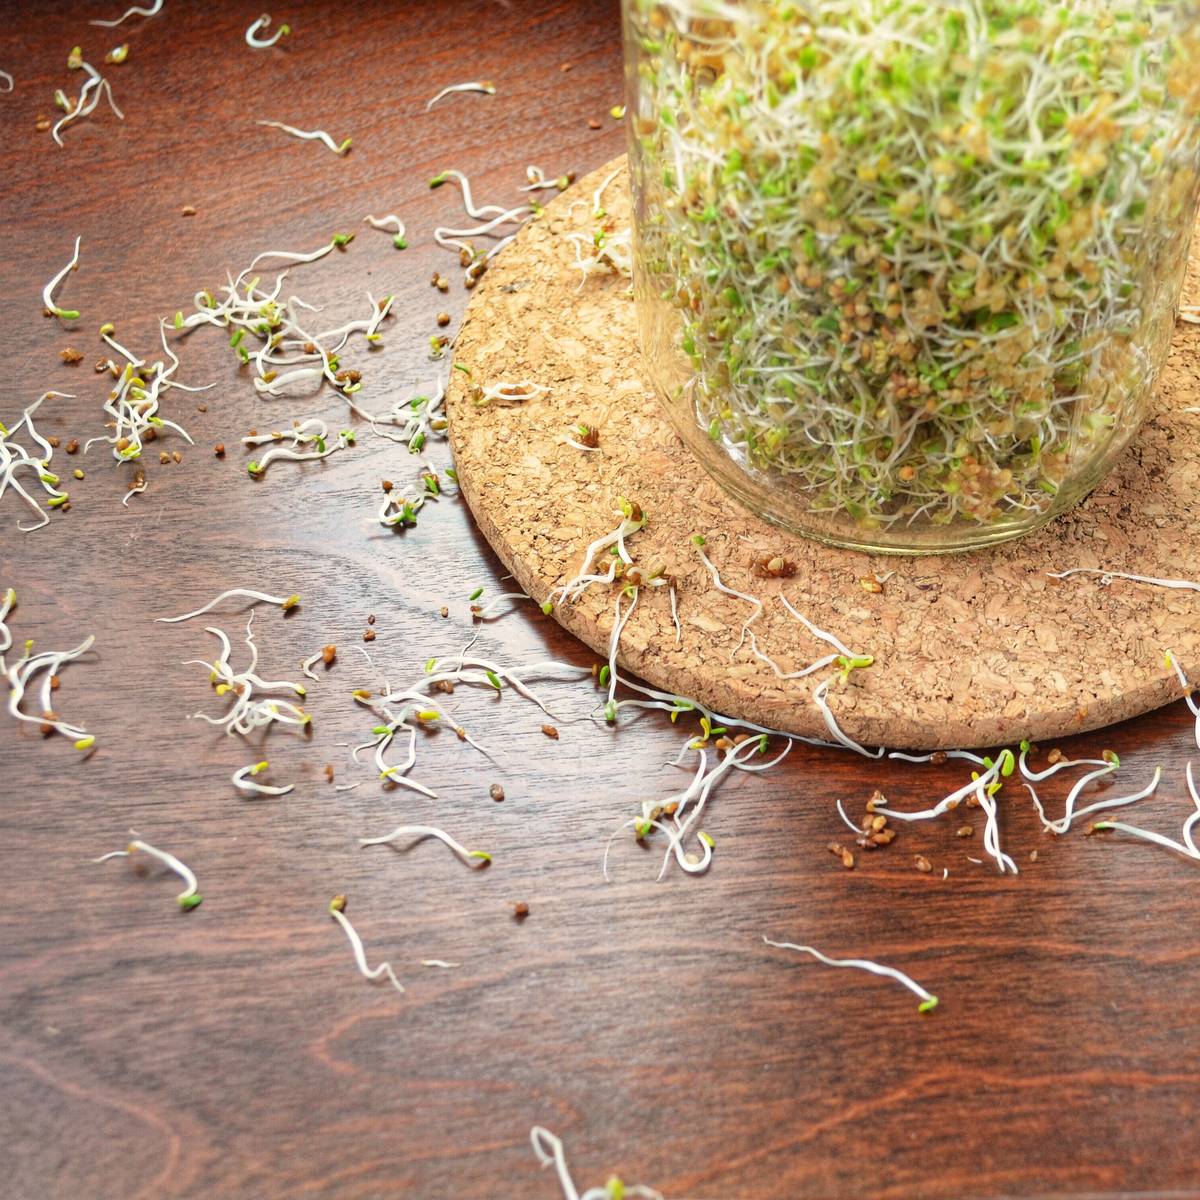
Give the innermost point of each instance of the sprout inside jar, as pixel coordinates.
(906, 271)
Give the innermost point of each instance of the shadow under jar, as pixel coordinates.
(906, 271)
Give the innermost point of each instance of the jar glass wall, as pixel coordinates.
(906, 271)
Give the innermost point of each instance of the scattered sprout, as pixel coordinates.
(244, 781)
(928, 999)
(189, 898)
(420, 832)
(550, 1152)
(287, 603)
(65, 314)
(399, 240)
(487, 88)
(247, 710)
(337, 910)
(94, 87)
(260, 26)
(14, 458)
(153, 10)
(319, 135)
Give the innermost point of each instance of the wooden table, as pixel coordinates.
(234, 1051)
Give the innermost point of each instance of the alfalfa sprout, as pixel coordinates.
(914, 283)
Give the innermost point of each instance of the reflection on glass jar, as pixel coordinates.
(906, 271)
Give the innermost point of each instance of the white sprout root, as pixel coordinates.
(928, 1000)
(307, 135)
(255, 42)
(384, 970)
(152, 11)
(312, 432)
(133, 403)
(1193, 706)
(243, 780)
(393, 225)
(473, 858)
(189, 898)
(1106, 577)
(550, 1152)
(95, 87)
(495, 219)
(20, 678)
(287, 603)
(983, 786)
(48, 301)
(402, 712)
(248, 711)
(8, 79)
(288, 354)
(14, 457)
(632, 520)
(1186, 846)
(484, 86)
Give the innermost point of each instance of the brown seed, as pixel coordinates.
(877, 823)
(176, 456)
(387, 485)
(550, 732)
(163, 457)
(70, 356)
(187, 211)
(329, 772)
(72, 447)
(938, 758)
(48, 716)
(496, 792)
(202, 407)
(42, 125)
(883, 837)
(922, 864)
(443, 318)
(1055, 756)
(53, 440)
(150, 435)
(847, 859)
(443, 685)
(328, 654)
(1033, 856)
(565, 67)
(593, 123)
(444, 610)
(54, 683)
(123, 443)
(371, 619)
(520, 910)
(219, 449)
(368, 635)
(877, 797)
(965, 831)
(869, 583)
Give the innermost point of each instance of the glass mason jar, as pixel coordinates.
(906, 270)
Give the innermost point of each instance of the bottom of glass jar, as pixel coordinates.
(785, 510)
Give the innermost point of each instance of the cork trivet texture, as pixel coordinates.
(970, 650)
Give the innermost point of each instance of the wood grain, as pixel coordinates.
(234, 1051)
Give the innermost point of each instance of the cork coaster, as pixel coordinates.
(976, 649)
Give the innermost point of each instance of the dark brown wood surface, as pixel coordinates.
(234, 1051)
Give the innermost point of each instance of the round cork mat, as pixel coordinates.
(970, 650)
